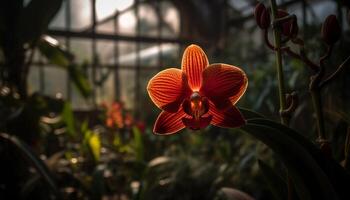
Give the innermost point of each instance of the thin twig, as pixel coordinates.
(336, 73)
(326, 55)
(302, 57)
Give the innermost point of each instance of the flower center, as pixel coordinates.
(198, 105)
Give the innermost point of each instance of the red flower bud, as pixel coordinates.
(330, 31)
(290, 27)
(262, 16)
(294, 29)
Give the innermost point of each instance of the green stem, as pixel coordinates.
(278, 52)
(316, 100)
(281, 87)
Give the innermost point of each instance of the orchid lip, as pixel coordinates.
(196, 105)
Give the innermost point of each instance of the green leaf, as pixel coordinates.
(336, 174)
(59, 56)
(36, 162)
(35, 18)
(309, 179)
(250, 114)
(275, 183)
(56, 54)
(93, 142)
(80, 79)
(138, 144)
(68, 118)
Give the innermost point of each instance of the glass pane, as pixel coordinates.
(127, 87)
(170, 55)
(78, 101)
(81, 48)
(106, 8)
(105, 91)
(106, 27)
(34, 79)
(148, 20)
(81, 14)
(105, 52)
(127, 23)
(55, 81)
(149, 54)
(127, 53)
(171, 17)
(59, 21)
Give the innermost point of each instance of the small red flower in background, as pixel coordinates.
(197, 95)
(114, 115)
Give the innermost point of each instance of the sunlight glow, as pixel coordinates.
(147, 53)
(127, 21)
(105, 8)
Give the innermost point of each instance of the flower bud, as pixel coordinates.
(330, 31)
(262, 16)
(290, 27)
(294, 29)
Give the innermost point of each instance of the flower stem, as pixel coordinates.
(316, 100)
(281, 87)
(278, 52)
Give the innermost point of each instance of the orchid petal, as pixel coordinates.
(194, 61)
(169, 123)
(223, 83)
(229, 118)
(168, 89)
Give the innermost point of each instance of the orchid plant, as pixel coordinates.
(201, 94)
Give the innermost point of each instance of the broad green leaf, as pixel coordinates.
(79, 79)
(310, 180)
(35, 18)
(336, 174)
(250, 114)
(275, 183)
(56, 54)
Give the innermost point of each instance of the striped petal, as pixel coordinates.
(223, 84)
(194, 61)
(169, 123)
(168, 89)
(229, 118)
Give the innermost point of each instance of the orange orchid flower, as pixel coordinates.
(197, 95)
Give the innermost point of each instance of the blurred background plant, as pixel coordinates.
(87, 134)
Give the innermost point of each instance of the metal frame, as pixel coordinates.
(91, 33)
